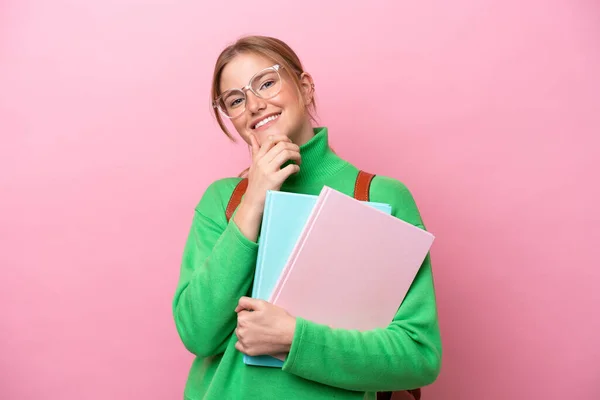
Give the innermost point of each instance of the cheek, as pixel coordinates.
(239, 124)
(287, 101)
(292, 110)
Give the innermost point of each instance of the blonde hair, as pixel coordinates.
(265, 46)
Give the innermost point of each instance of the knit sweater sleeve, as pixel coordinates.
(404, 355)
(216, 270)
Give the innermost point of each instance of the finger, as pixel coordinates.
(280, 147)
(247, 303)
(284, 156)
(270, 143)
(241, 304)
(239, 347)
(254, 144)
(278, 137)
(286, 171)
(243, 317)
(265, 147)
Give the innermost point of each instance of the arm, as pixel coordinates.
(219, 257)
(404, 355)
(216, 270)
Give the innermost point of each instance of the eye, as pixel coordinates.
(267, 85)
(235, 102)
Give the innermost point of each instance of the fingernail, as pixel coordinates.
(271, 138)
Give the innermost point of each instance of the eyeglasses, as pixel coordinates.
(264, 84)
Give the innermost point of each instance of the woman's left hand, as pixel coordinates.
(263, 328)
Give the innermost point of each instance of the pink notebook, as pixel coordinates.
(352, 265)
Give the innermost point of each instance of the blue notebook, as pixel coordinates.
(284, 217)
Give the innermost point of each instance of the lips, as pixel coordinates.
(264, 120)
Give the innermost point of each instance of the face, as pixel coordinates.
(278, 115)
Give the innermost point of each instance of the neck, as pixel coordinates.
(319, 162)
(304, 134)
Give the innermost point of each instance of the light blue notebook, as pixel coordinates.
(284, 217)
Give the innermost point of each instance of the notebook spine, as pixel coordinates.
(262, 245)
(299, 244)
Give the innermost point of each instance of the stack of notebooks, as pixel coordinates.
(334, 260)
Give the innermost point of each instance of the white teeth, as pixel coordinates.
(264, 121)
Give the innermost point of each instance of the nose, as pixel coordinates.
(254, 104)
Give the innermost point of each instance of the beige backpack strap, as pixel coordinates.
(236, 198)
(362, 185)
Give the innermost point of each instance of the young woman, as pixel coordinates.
(259, 84)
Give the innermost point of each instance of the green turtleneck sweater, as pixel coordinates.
(324, 363)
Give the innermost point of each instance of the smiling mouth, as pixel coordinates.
(266, 120)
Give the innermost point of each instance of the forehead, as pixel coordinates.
(238, 72)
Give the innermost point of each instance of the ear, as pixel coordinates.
(307, 86)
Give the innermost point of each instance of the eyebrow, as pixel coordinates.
(227, 94)
(230, 88)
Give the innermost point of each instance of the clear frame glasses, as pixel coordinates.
(264, 84)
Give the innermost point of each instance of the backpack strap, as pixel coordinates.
(361, 191)
(362, 185)
(236, 198)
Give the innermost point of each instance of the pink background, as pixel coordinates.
(488, 110)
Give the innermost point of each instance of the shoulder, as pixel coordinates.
(385, 189)
(382, 185)
(216, 196)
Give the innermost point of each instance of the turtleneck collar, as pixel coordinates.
(319, 162)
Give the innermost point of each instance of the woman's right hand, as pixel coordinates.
(265, 173)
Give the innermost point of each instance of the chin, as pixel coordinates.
(275, 130)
